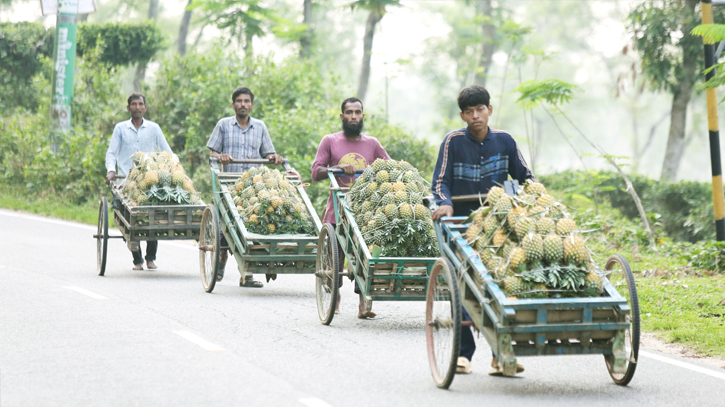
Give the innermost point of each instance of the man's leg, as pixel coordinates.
(137, 259)
(151, 247)
(468, 346)
(223, 257)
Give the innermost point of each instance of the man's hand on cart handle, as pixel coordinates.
(276, 158)
(110, 177)
(443, 210)
(224, 159)
(349, 169)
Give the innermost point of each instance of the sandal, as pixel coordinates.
(250, 283)
(137, 267)
(463, 366)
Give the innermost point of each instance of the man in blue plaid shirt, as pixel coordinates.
(240, 137)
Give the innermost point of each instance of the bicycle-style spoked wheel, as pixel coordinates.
(443, 323)
(209, 241)
(327, 275)
(102, 236)
(622, 278)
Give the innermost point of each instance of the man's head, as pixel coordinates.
(136, 105)
(474, 102)
(352, 116)
(242, 101)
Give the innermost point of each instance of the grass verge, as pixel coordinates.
(688, 310)
(17, 199)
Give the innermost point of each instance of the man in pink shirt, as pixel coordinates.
(348, 150)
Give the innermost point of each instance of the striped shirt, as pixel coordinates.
(253, 142)
(126, 140)
(467, 166)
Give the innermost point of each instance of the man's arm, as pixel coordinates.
(322, 160)
(161, 142)
(442, 180)
(266, 149)
(112, 155)
(216, 144)
(380, 152)
(518, 169)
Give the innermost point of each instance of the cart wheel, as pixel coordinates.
(102, 236)
(327, 281)
(621, 278)
(209, 241)
(443, 323)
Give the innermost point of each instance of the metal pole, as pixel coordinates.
(712, 123)
(66, 31)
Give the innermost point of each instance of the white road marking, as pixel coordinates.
(199, 341)
(47, 220)
(313, 402)
(683, 365)
(86, 292)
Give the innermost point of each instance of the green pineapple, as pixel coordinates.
(553, 248)
(565, 226)
(490, 223)
(366, 206)
(164, 177)
(421, 212)
(533, 246)
(400, 197)
(406, 212)
(504, 204)
(514, 285)
(385, 187)
(371, 188)
(411, 188)
(382, 176)
(378, 165)
(545, 225)
(494, 194)
(545, 200)
(390, 165)
(516, 257)
(594, 285)
(535, 188)
(472, 233)
(391, 211)
(388, 199)
(513, 216)
(575, 251)
(524, 226)
(406, 166)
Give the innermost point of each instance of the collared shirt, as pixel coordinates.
(126, 140)
(467, 166)
(253, 142)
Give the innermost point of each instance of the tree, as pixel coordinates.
(184, 29)
(141, 68)
(306, 38)
(488, 41)
(376, 11)
(671, 60)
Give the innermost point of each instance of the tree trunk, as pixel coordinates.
(306, 39)
(678, 120)
(376, 14)
(140, 75)
(153, 9)
(485, 9)
(248, 45)
(184, 30)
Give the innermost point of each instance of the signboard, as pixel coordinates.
(50, 7)
(66, 31)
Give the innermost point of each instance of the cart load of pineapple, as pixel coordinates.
(387, 202)
(159, 179)
(269, 204)
(532, 247)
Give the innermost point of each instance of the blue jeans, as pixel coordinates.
(468, 344)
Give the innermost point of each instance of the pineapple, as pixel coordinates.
(485, 254)
(473, 232)
(188, 186)
(514, 285)
(391, 211)
(575, 251)
(516, 257)
(371, 188)
(270, 183)
(545, 225)
(490, 223)
(412, 188)
(514, 214)
(553, 248)
(539, 290)
(400, 197)
(494, 194)
(594, 285)
(504, 204)
(385, 187)
(388, 199)
(272, 228)
(527, 199)
(533, 246)
(366, 206)
(524, 226)
(545, 200)
(565, 226)
(257, 179)
(276, 201)
(421, 212)
(535, 188)
(378, 165)
(390, 165)
(399, 186)
(499, 238)
(382, 176)
(151, 178)
(164, 177)
(536, 209)
(406, 212)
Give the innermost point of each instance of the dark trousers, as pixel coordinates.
(151, 247)
(468, 344)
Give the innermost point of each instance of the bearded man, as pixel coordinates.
(347, 150)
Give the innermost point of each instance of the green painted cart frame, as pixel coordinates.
(143, 223)
(255, 254)
(379, 278)
(607, 325)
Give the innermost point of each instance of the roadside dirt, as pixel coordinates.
(650, 341)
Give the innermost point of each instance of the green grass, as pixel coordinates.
(17, 199)
(688, 310)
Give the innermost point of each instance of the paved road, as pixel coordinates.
(61, 345)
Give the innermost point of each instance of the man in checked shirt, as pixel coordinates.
(240, 137)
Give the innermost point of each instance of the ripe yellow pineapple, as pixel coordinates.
(565, 226)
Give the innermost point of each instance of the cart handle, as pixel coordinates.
(341, 171)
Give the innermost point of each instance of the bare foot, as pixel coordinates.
(337, 307)
(151, 265)
(366, 314)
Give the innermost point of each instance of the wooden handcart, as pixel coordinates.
(379, 278)
(607, 325)
(255, 254)
(143, 223)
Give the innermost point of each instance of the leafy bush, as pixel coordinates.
(684, 209)
(22, 48)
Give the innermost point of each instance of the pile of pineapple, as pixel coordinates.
(159, 179)
(532, 247)
(269, 204)
(387, 202)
